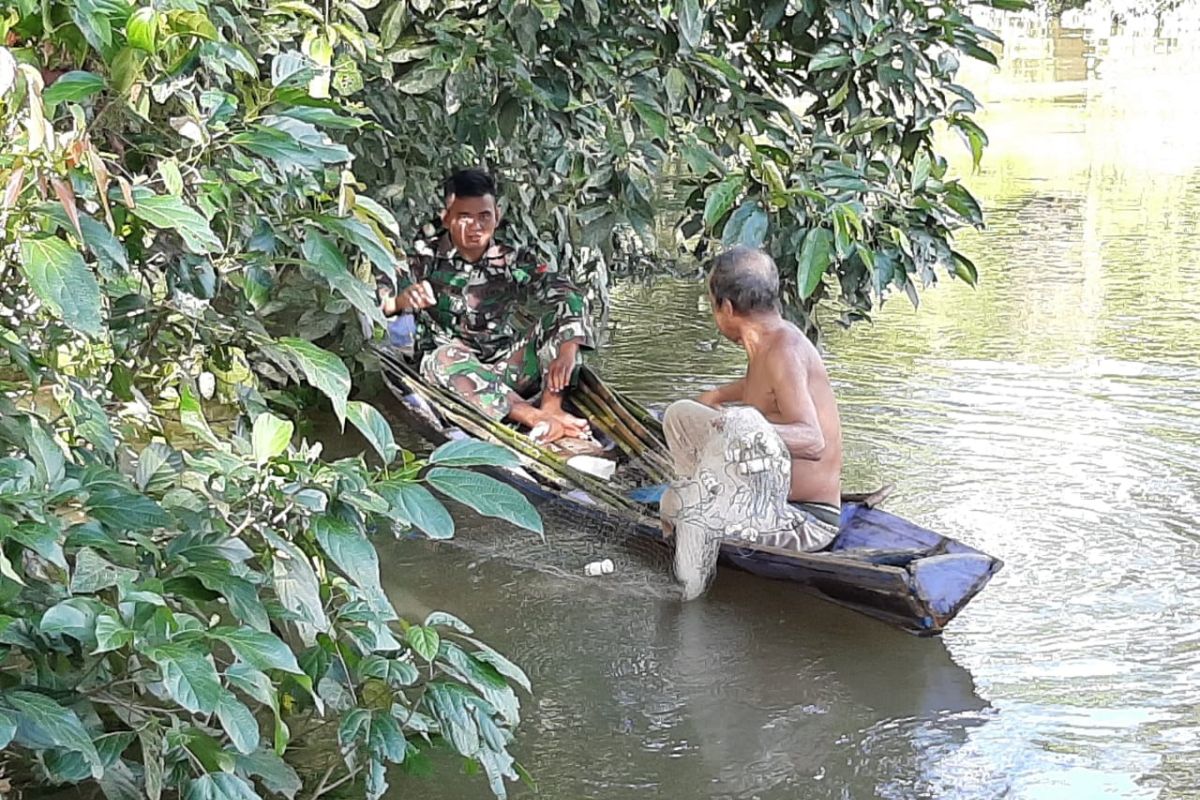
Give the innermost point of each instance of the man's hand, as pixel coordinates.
(711, 399)
(419, 295)
(558, 374)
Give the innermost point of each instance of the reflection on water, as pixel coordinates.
(1051, 417)
(753, 690)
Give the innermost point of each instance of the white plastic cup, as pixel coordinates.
(596, 568)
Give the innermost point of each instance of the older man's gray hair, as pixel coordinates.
(747, 278)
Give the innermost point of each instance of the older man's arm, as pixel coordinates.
(796, 421)
(729, 393)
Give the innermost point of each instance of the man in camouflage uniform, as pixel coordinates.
(491, 323)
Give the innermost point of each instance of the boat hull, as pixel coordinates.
(879, 564)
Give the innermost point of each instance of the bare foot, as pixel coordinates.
(551, 409)
(560, 425)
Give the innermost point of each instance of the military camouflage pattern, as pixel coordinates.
(497, 324)
(489, 387)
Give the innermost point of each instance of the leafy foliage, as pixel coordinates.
(188, 592)
(804, 126)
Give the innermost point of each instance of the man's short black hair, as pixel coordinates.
(470, 182)
(747, 278)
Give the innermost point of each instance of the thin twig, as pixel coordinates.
(324, 778)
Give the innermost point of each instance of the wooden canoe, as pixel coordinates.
(879, 564)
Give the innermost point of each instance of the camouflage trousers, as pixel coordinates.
(489, 386)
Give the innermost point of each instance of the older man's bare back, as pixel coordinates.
(787, 382)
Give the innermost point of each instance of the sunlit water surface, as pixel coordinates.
(1050, 417)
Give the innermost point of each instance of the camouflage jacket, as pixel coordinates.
(494, 304)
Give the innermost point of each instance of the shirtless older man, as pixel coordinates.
(748, 447)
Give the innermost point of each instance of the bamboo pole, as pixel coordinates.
(635, 446)
(455, 410)
(652, 424)
(611, 427)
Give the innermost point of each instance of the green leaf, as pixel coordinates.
(151, 741)
(254, 683)
(677, 88)
(141, 31)
(424, 641)
(169, 212)
(449, 620)
(473, 453)
(326, 260)
(719, 65)
(122, 509)
(395, 20)
(362, 236)
(192, 23)
(502, 665)
(239, 724)
(94, 26)
(378, 213)
(392, 670)
(107, 249)
(297, 586)
(487, 681)
(323, 369)
(415, 504)
(486, 495)
(58, 276)
(43, 539)
(965, 269)
(189, 676)
(973, 136)
(422, 78)
(291, 144)
(355, 556)
(324, 118)
(747, 226)
(93, 573)
(701, 160)
(813, 260)
(241, 595)
(592, 9)
(75, 617)
(220, 786)
(168, 168)
(831, 56)
(46, 453)
(191, 416)
(90, 419)
(720, 198)
(374, 428)
(157, 468)
(276, 774)
(111, 634)
(691, 23)
(270, 436)
(448, 702)
(8, 728)
(43, 724)
(655, 120)
(73, 87)
(259, 649)
(921, 167)
(127, 69)
(288, 65)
